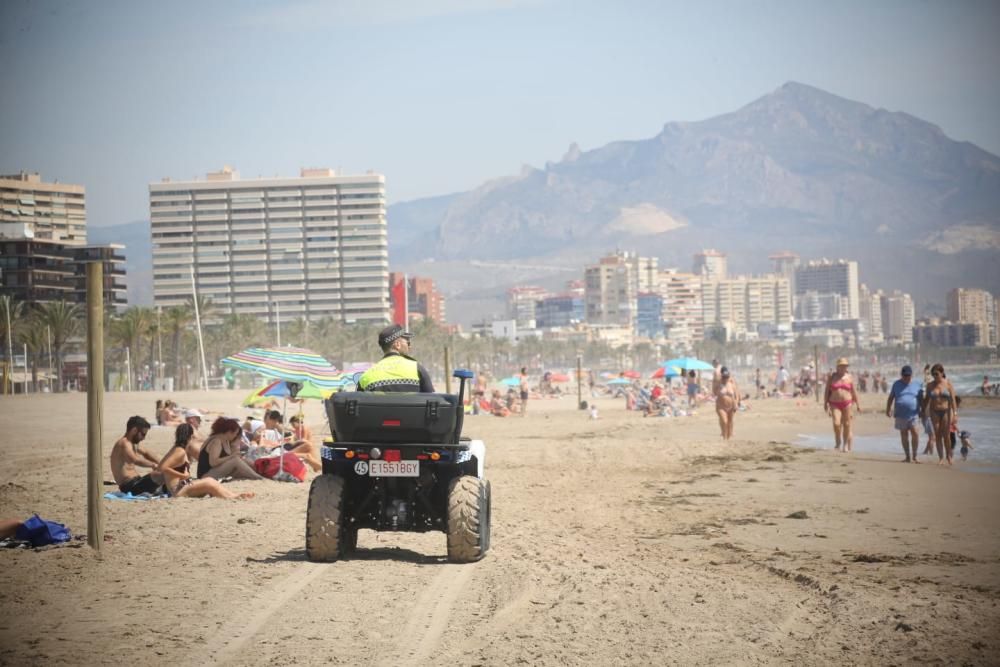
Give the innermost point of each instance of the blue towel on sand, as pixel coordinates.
(119, 495)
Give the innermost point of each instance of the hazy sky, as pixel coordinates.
(442, 95)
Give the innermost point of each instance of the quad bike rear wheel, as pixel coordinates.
(469, 500)
(327, 539)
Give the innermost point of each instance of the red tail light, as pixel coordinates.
(392, 455)
(390, 422)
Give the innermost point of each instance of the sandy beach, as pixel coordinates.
(625, 540)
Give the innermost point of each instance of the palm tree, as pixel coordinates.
(175, 321)
(129, 329)
(65, 322)
(32, 335)
(10, 311)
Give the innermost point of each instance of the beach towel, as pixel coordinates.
(119, 495)
(40, 532)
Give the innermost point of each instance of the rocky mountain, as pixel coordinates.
(798, 169)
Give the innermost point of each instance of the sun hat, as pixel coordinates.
(189, 414)
(842, 362)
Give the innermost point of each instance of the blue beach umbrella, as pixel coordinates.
(511, 382)
(688, 364)
(620, 381)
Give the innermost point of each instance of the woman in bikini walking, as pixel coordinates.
(939, 403)
(727, 399)
(840, 395)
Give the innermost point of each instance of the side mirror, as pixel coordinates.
(462, 374)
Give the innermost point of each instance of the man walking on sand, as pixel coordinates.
(127, 454)
(906, 395)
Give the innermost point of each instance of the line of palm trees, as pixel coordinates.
(149, 343)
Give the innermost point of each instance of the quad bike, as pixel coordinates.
(399, 462)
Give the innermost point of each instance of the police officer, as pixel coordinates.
(396, 371)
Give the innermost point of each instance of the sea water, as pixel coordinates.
(983, 425)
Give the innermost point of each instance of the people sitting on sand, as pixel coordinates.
(127, 454)
(175, 469)
(168, 414)
(273, 434)
(498, 407)
(220, 455)
(193, 418)
(301, 443)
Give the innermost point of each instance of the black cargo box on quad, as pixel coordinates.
(394, 418)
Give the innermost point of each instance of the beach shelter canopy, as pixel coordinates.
(310, 390)
(511, 382)
(666, 372)
(559, 377)
(618, 381)
(287, 363)
(688, 364)
(634, 375)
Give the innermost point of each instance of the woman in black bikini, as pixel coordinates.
(177, 480)
(939, 403)
(220, 455)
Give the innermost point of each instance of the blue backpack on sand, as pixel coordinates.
(40, 532)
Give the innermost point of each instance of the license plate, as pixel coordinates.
(394, 468)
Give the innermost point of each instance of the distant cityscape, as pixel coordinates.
(316, 246)
(625, 299)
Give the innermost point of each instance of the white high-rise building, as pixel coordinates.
(711, 264)
(744, 302)
(898, 317)
(612, 287)
(974, 305)
(871, 314)
(831, 277)
(683, 316)
(308, 247)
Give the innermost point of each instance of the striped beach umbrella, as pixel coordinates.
(291, 364)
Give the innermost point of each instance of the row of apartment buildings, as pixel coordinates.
(311, 246)
(821, 300)
(43, 244)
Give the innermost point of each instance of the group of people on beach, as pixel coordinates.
(932, 404)
(227, 453)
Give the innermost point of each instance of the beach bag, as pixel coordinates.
(286, 467)
(40, 532)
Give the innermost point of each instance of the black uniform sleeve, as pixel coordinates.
(426, 386)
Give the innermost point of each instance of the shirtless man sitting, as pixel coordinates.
(127, 454)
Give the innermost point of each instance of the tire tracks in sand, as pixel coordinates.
(228, 641)
(428, 618)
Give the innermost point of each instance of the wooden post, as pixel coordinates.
(95, 402)
(816, 367)
(447, 369)
(579, 382)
